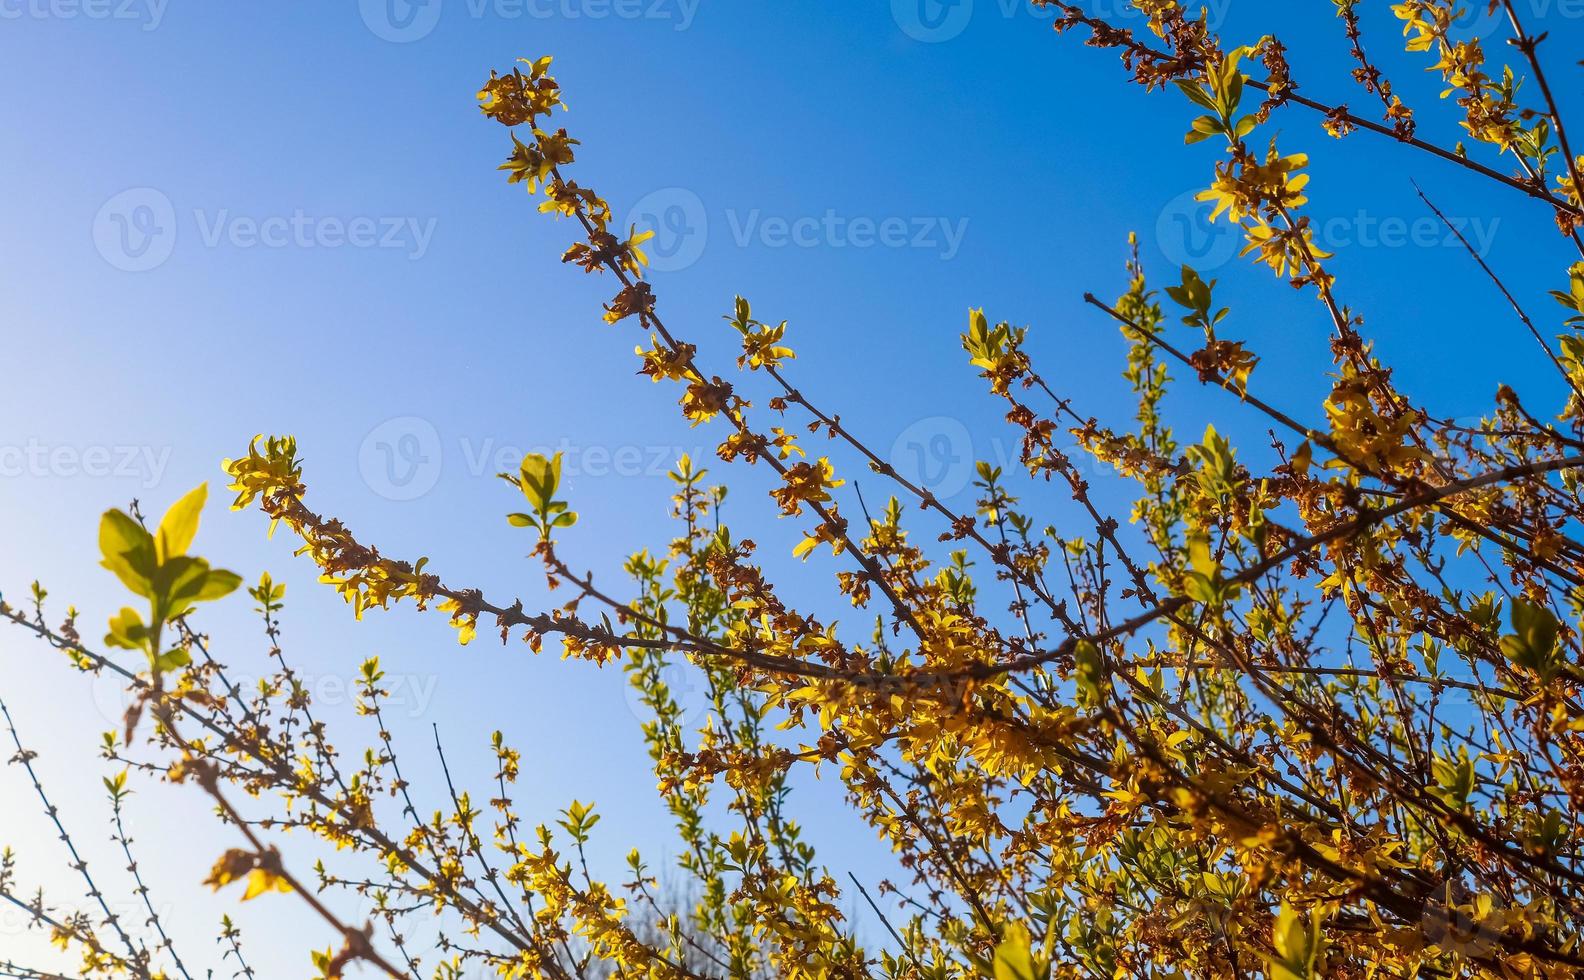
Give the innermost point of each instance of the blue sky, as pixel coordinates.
(224, 219)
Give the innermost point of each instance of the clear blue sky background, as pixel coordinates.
(1017, 161)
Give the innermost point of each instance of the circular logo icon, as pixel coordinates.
(400, 21)
(935, 454)
(112, 696)
(686, 685)
(680, 224)
(401, 459)
(932, 21)
(1477, 21)
(1466, 925)
(135, 231)
(1187, 236)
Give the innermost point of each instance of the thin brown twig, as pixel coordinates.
(1511, 300)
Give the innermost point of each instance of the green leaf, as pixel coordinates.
(1533, 643)
(127, 631)
(1199, 555)
(128, 552)
(172, 660)
(218, 584)
(1014, 958)
(180, 524)
(1203, 128)
(580, 819)
(1091, 677)
(116, 785)
(1197, 94)
(1200, 588)
(540, 477)
(179, 581)
(1234, 91)
(1455, 779)
(1298, 941)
